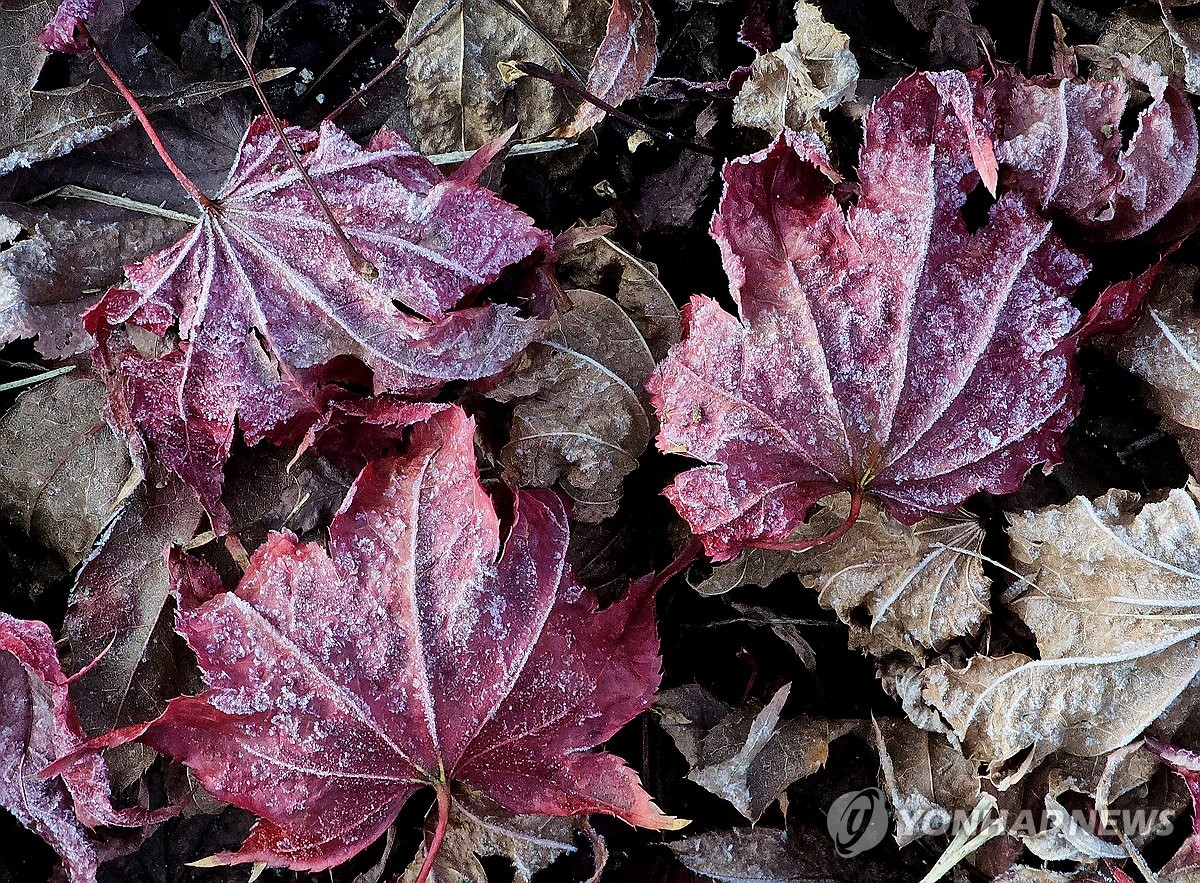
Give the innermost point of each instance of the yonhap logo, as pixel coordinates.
(857, 821)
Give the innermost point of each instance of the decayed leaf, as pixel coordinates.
(37, 726)
(415, 651)
(744, 755)
(812, 72)
(925, 777)
(457, 98)
(954, 38)
(1163, 349)
(119, 622)
(754, 567)
(479, 828)
(262, 297)
(623, 63)
(580, 417)
(1139, 30)
(64, 469)
(1062, 141)
(911, 589)
(890, 349)
(1112, 590)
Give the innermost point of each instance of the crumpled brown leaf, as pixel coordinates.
(909, 589)
(55, 264)
(1111, 592)
(925, 777)
(479, 828)
(457, 99)
(64, 469)
(745, 755)
(811, 72)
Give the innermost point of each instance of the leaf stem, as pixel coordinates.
(439, 833)
(364, 267)
(532, 69)
(682, 562)
(198, 195)
(856, 499)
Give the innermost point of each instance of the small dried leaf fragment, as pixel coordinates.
(812, 72)
(581, 416)
(64, 468)
(920, 586)
(414, 651)
(37, 726)
(819, 386)
(479, 828)
(1113, 586)
(744, 755)
(264, 298)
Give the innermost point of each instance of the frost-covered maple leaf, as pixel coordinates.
(262, 297)
(417, 651)
(38, 724)
(889, 348)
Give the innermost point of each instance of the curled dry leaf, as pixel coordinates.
(1062, 141)
(623, 63)
(416, 651)
(888, 349)
(1112, 587)
(812, 72)
(580, 416)
(909, 589)
(37, 726)
(925, 777)
(457, 98)
(262, 298)
(479, 828)
(64, 469)
(55, 263)
(744, 755)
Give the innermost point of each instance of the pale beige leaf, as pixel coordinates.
(479, 828)
(457, 99)
(911, 589)
(925, 777)
(1112, 596)
(754, 567)
(581, 416)
(812, 72)
(63, 467)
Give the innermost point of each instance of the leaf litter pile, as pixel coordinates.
(479, 440)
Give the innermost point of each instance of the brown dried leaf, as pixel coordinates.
(581, 416)
(745, 756)
(479, 828)
(812, 72)
(916, 588)
(457, 99)
(1111, 596)
(925, 777)
(63, 467)
(1138, 30)
(54, 264)
(754, 567)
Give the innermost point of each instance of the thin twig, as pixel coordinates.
(200, 197)
(364, 267)
(74, 191)
(531, 69)
(36, 378)
(1037, 22)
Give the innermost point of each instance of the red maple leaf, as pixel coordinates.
(890, 348)
(417, 651)
(38, 725)
(262, 297)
